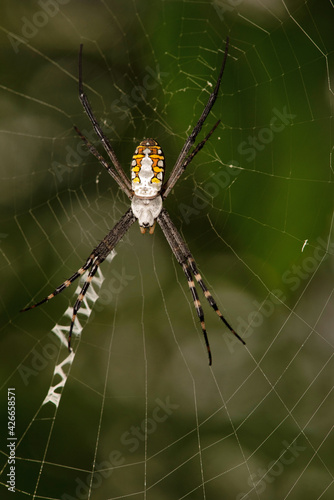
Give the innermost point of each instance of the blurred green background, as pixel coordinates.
(256, 208)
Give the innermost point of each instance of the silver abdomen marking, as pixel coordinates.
(147, 174)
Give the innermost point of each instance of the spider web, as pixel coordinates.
(135, 411)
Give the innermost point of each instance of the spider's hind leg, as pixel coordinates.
(65, 284)
(80, 298)
(198, 306)
(209, 297)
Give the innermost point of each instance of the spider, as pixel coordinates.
(147, 193)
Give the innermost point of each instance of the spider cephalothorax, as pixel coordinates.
(146, 192)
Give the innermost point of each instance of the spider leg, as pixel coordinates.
(64, 285)
(80, 298)
(209, 297)
(181, 254)
(99, 254)
(191, 156)
(185, 258)
(105, 142)
(97, 155)
(198, 306)
(179, 164)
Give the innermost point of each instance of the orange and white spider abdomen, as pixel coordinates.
(147, 174)
(147, 169)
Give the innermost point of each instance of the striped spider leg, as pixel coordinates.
(186, 260)
(99, 254)
(147, 193)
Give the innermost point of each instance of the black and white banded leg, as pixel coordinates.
(197, 304)
(99, 254)
(64, 285)
(185, 258)
(209, 297)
